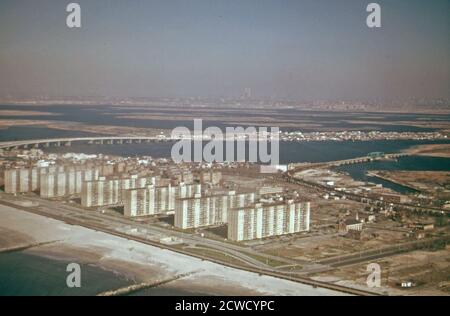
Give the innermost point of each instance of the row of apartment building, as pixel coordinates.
(65, 183)
(110, 191)
(192, 204)
(156, 199)
(22, 180)
(193, 208)
(53, 181)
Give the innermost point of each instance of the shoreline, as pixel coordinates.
(145, 262)
(374, 173)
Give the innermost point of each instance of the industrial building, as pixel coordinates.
(350, 224)
(265, 220)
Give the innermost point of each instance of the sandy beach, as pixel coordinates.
(137, 262)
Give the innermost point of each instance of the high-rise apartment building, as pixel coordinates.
(67, 180)
(22, 180)
(53, 185)
(156, 199)
(265, 220)
(209, 210)
(110, 191)
(61, 183)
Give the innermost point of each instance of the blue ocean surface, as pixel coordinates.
(23, 274)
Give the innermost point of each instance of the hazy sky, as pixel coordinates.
(279, 48)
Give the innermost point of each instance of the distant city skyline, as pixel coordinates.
(298, 50)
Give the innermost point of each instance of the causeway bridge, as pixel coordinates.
(57, 142)
(297, 167)
(365, 159)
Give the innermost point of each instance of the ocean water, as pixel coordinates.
(23, 274)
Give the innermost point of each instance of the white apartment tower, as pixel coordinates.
(23, 180)
(53, 185)
(209, 210)
(104, 192)
(153, 199)
(56, 181)
(265, 220)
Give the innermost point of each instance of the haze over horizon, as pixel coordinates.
(282, 49)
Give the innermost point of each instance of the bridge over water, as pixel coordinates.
(56, 142)
(297, 167)
(367, 158)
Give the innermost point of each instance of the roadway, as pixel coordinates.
(117, 226)
(118, 223)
